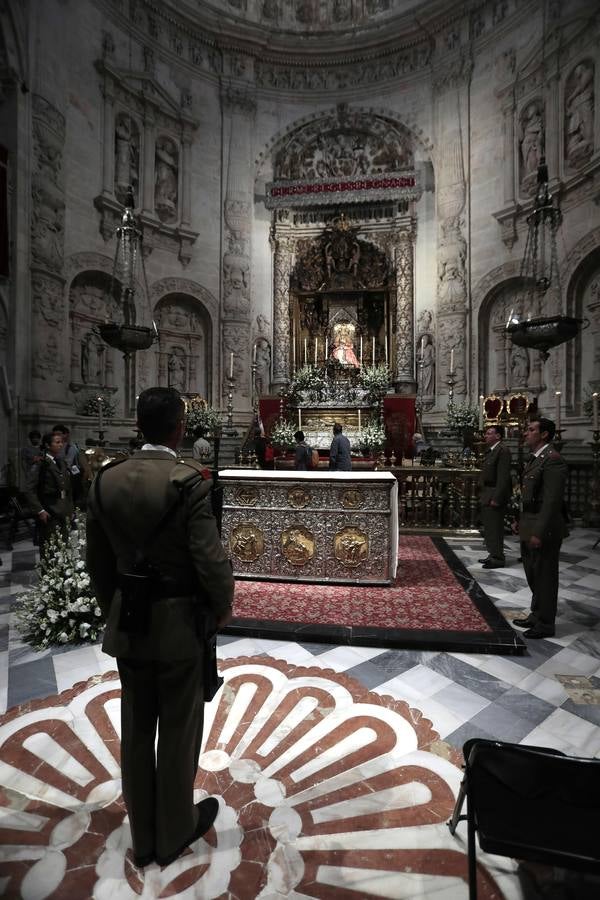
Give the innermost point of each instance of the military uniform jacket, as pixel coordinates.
(495, 479)
(134, 495)
(544, 481)
(49, 488)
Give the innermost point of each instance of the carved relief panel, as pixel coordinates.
(166, 179)
(127, 156)
(579, 114)
(531, 127)
(184, 354)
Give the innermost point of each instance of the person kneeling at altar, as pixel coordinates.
(49, 491)
(302, 454)
(339, 452)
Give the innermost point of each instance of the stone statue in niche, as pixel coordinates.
(92, 360)
(452, 289)
(263, 366)
(47, 234)
(177, 369)
(127, 145)
(519, 366)
(166, 178)
(579, 113)
(530, 142)
(426, 366)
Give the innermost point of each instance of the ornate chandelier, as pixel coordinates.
(129, 279)
(540, 276)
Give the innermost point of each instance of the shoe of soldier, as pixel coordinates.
(524, 621)
(539, 631)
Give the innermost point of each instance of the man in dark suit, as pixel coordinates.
(48, 491)
(154, 509)
(302, 455)
(495, 486)
(542, 527)
(339, 452)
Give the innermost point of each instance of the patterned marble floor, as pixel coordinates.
(293, 818)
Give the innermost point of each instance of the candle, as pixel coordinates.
(316, 349)
(595, 411)
(360, 359)
(481, 401)
(423, 351)
(373, 352)
(326, 349)
(254, 354)
(386, 351)
(294, 345)
(305, 350)
(451, 360)
(99, 413)
(557, 423)
(231, 364)
(299, 419)
(359, 425)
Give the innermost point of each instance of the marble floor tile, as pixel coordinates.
(462, 702)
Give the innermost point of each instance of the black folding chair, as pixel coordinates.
(530, 803)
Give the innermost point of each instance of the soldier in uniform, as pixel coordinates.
(495, 485)
(48, 491)
(150, 517)
(542, 527)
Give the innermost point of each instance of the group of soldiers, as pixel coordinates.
(165, 585)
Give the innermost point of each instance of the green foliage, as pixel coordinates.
(92, 405)
(61, 608)
(307, 380)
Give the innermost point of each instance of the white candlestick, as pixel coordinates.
(305, 350)
(359, 424)
(557, 423)
(294, 345)
(360, 359)
(299, 419)
(99, 413)
(316, 349)
(386, 352)
(326, 349)
(595, 412)
(231, 364)
(451, 360)
(423, 351)
(481, 410)
(373, 352)
(254, 354)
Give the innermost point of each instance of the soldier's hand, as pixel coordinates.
(225, 619)
(534, 542)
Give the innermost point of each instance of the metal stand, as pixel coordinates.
(558, 441)
(451, 381)
(230, 383)
(101, 440)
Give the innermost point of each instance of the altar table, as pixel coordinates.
(311, 526)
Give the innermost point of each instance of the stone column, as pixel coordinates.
(282, 268)
(186, 179)
(108, 161)
(49, 365)
(404, 378)
(147, 200)
(509, 153)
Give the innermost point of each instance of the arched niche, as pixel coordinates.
(582, 369)
(184, 358)
(504, 366)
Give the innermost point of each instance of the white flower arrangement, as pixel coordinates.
(61, 608)
(375, 380)
(461, 415)
(282, 435)
(92, 406)
(371, 437)
(198, 414)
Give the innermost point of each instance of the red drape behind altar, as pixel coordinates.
(400, 422)
(268, 410)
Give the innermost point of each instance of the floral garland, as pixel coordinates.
(61, 608)
(371, 437)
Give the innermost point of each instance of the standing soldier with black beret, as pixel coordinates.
(163, 580)
(542, 527)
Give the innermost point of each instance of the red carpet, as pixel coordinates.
(434, 603)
